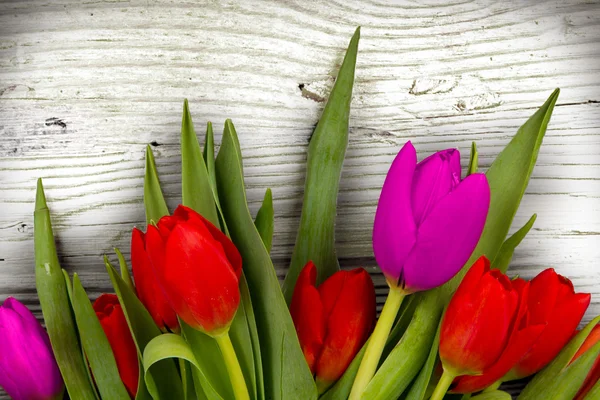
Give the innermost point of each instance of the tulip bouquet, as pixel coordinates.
(205, 317)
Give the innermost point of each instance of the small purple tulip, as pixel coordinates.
(428, 220)
(28, 370)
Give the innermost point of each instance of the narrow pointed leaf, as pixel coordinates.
(493, 395)
(315, 240)
(508, 247)
(154, 202)
(265, 220)
(124, 270)
(209, 155)
(165, 379)
(418, 389)
(97, 348)
(473, 160)
(195, 183)
(286, 374)
(56, 307)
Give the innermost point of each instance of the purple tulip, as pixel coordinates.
(28, 370)
(428, 220)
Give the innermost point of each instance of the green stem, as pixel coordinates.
(233, 367)
(370, 361)
(493, 386)
(442, 386)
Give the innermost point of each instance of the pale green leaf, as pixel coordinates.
(56, 307)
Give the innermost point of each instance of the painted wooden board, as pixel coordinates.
(85, 85)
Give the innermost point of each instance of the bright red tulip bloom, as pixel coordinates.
(197, 267)
(147, 288)
(553, 302)
(117, 332)
(594, 374)
(333, 321)
(477, 324)
(523, 335)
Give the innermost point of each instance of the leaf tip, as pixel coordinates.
(40, 196)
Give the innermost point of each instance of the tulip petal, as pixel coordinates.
(519, 344)
(349, 324)
(448, 236)
(231, 251)
(473, 277)
(148, 290)
(544, 294)
(394, 230)
(307, 313)
(198, 273)
(559, 330)
(330, 291)
(434, 178)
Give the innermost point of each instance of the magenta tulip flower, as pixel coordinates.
(428, 220)
(28, 369)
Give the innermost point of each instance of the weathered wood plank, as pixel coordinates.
(84, 86)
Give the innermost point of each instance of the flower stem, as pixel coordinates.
(493, 386)
(233, 367)
(369, 363)
(442, 386)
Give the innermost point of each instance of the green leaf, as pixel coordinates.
(97, 348)
(209, 156)
(508, 247)
(493, 395)
(286, 374)
(56, 307)
(209, 362)
(561, 379)
(403, 319)
(473, 160)
(315, 240)
(195, 182)
(265, 220)
(154, 202)
(418, 390)
(124, 270)
(169, 345)
(594, 393)
(407, 358)
(165, 379)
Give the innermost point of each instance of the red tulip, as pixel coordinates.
(197, 267)
(115, 327)
(523, 335)
(146, 285)
(333, 321)
(594, 374)
(553, 302)
(477, 324)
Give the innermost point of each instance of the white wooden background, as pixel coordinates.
(85, 85)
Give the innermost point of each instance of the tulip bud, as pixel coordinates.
(428, 220)
(553, 302)
(594, 374)
(477, 324)
(198, 269)
(117, 332)
(333, 321)
(28, 369)
(147, 288)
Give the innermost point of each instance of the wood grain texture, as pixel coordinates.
(85, 85)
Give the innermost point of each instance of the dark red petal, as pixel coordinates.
(307, 313)
(560, 328)
(349, 325)
(331, 289)
(473, 276)
(543, 296)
